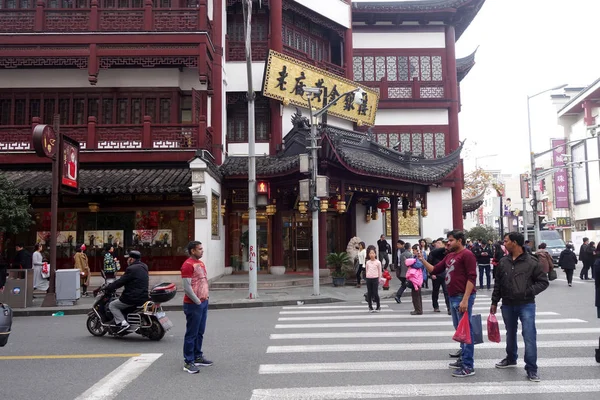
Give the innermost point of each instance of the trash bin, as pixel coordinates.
(18, 290)
(67, 286)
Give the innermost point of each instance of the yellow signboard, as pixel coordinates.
(285, 78)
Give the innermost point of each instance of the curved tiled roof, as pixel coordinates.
(361, 154)
(464, 65)
(458, 12)
(107, 180)
(473, 203)
(237, 166)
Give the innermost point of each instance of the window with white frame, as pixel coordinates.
(581, 191)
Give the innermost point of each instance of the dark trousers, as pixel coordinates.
(195, 316)
(402, 287)
(484, 268)
(383, 256)
(437, 284)
(417, 300)
(569, 273)
(359, 274)
(373, 292)
(584, 271)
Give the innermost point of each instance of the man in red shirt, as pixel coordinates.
(195, 308)
(461, 272)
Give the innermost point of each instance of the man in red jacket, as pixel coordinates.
(461, 272)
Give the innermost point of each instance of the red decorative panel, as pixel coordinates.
(236, 51)
(15, 138)
(17, 21)
(16, 62)
(176, 20)
(122, 20)
(78, 133)
(174, 137)
(119, 137)
(208, 140)
(148, 62)
(67, 20)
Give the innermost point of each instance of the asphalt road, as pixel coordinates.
(306, 358)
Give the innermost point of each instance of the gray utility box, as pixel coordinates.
(18, 290)
(67, 286)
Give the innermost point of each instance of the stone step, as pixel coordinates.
(272, 284)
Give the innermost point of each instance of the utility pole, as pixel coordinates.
(252, 253)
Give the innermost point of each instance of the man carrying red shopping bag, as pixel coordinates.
(461, 272)
(518, 280)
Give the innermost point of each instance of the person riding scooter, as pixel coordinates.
(135, 279)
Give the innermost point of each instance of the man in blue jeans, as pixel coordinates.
(195, 308)
(461, 272)
(519, 278)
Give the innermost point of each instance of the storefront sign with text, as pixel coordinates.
(286, 77)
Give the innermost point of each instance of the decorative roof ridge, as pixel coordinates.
(465, 64)
(367, 142)
(424, 5)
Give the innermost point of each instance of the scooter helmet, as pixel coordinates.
(136, 255)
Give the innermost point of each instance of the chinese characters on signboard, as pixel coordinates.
(286, 78)
(69, 164)
(561, 184)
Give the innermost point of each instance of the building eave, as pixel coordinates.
(465, 64)
(574, 106)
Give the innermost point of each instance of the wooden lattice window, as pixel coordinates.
(20, 112)
(150, 109)
(426, 141)
(5, 112)
(49, 110)
(165, 111)
(79, 117)
(136, 111)
(398, 68)
(237, 118)
(301, 35)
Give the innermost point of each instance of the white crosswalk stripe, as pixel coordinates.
(323, 344)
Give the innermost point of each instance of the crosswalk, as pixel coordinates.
(343, 352)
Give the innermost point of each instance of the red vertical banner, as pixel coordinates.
(561, 183)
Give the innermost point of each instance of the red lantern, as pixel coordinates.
(333, 201)
(153, 220)
(383, 205)
(181, 216)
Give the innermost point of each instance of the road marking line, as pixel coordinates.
(352, 311)
(321, 307)
(112, 384)
(309, 368)
(68, 356)
(399, 334)
(387, 316)
(335, 348)
(440, 390)
(409, 323)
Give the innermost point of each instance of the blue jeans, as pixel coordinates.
(468, 350)
(511, 316)
(195, 315)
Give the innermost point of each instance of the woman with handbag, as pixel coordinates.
(81, 263)
(545, 260)
(39, 282)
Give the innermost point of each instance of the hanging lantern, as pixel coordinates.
(181, 215)
(404, 214)
(324, 205)
(424, 212)
(333, 201)
(94, 207)
(412, 211)
(341, 207)
(375, 215)
(383, 204)
(302, 207)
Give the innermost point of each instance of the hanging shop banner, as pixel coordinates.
(561, 183)
(69, 165)
(285, 78)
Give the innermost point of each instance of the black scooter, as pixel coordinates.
(148, 320)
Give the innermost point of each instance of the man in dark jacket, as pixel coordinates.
(435, 256)
(483, 253)
(519, 279)
(586, 256)
(401, 269)
(22, 259)
(135, 279)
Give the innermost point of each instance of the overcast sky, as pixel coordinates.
(526, 46)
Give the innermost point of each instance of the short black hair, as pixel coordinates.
(458, 235)
(542, 245)
(20, 244)
(416, 247)
(192, 245)
(516, 237)
(440, 239)
(400, 241)
(371, 248)
(407, 246)
(527, 241)
(584, 239)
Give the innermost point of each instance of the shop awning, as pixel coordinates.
(107, 180)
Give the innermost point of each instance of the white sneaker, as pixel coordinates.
(124, 326)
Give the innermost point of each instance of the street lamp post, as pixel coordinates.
(536, 220)
(313, 197)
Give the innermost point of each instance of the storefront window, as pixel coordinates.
(239, 241)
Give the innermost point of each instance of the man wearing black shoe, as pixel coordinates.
(518, 280)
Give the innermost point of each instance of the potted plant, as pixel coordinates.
(342, 264)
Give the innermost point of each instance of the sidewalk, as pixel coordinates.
(234, 298)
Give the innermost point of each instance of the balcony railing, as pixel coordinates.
(302, 56)
(98, 19)
(147, 136)
(409, 90)
(236, 51)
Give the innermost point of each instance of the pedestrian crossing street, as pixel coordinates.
(340, 351)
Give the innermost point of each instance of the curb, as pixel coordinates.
(179, 307)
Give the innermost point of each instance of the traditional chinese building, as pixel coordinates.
(155, 93)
